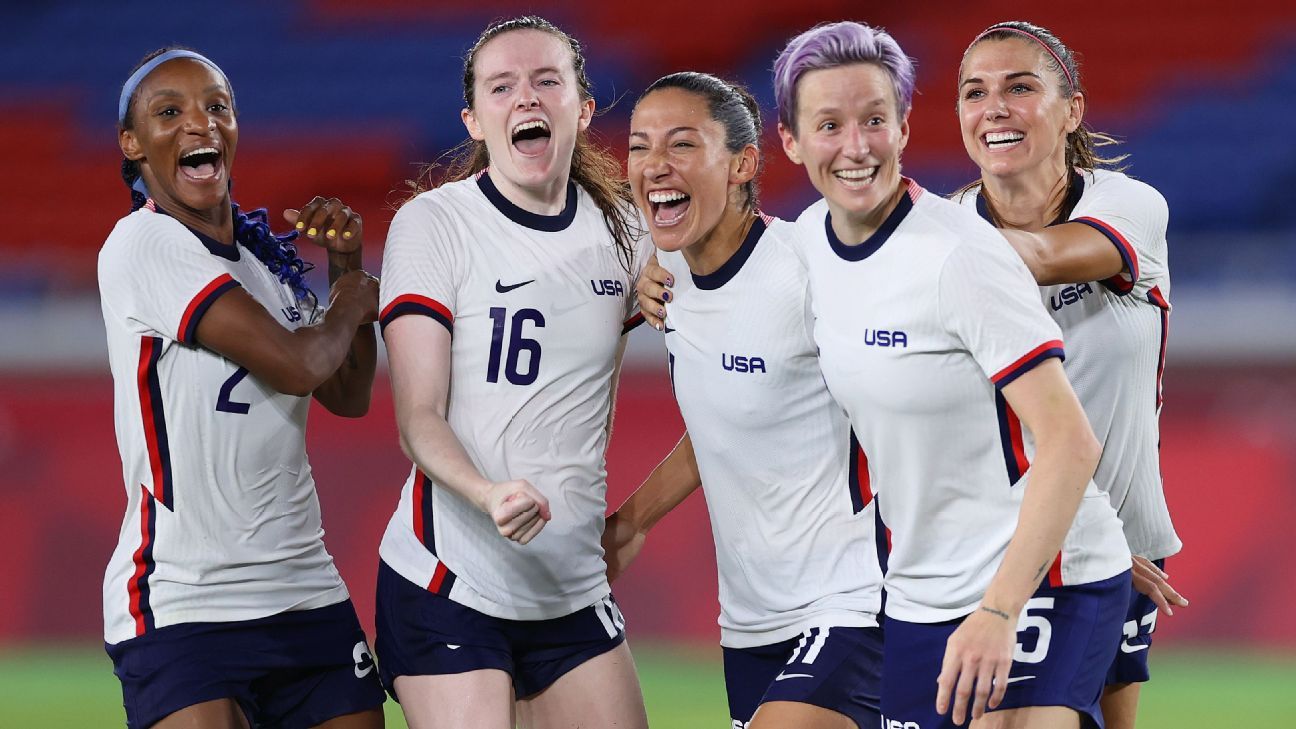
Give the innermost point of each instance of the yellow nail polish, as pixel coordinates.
(311, 232)
(300, 225)
(348, 235)
(331, 234)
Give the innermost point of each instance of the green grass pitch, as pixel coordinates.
(73, 687)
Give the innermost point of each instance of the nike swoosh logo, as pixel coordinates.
(501, 288)
(783, 676)
(1015, 679)
(453, 647)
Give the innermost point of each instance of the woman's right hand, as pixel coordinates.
(621, 544)
(357, 288)
(653, 290)
(518, 509)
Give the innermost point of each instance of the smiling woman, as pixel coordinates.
(213, 361)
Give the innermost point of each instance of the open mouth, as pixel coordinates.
(668, 206)
(857, 179)
(200, 164)
(1003, 140)
(531, 137)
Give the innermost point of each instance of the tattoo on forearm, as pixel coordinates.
(997, 613)
(1043, 568)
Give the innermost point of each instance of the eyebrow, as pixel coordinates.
(669, 132)
(172, 92)
(512, 74)
(1009, 77)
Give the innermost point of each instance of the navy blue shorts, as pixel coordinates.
(421, 633)
(839, 669)
(294, 669)
(1066, 640)
(1131, 664)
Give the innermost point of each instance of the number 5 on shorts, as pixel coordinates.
(1038, 623)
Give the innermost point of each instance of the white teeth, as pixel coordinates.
(864, 174)
(993, 138)
(663, 196)
(534, 124)
(201, 150)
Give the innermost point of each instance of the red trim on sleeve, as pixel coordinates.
(1027, 361)
(1128, 254)
(199, 303)
(416, 304)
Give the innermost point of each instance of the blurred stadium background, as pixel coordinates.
(345, 98)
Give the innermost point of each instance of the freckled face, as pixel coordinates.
(527, 107)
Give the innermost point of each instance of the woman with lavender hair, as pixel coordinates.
(1008, 573)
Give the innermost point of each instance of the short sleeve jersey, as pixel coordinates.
(536, 306)
(222, 519)
(1115, 332)
(919, 327)
(793, 524)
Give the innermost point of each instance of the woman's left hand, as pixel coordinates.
(1154, 582)
(330, 224)
(978, 657)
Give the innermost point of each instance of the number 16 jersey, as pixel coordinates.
(536, 306)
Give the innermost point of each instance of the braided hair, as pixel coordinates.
(251, 229)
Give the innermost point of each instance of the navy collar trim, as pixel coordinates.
(875, 241)
(1068, 206)
(731, 267)
(213, 246)
(526, 218)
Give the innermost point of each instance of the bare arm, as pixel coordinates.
(665, 488)
(1066, 253)
(418, 350)
(1066, 454)
(240, 329)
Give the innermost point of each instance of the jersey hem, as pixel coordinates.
(742, 639)
(328, 598)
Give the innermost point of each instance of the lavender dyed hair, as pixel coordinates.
(839, 44)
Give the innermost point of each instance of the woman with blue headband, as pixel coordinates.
(222, 607)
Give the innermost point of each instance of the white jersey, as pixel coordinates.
(1115, 332)
(794, 532)
(536, 306)
(222, 520)
(918, 328)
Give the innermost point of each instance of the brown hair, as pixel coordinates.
(1083, 143)
(592, 167)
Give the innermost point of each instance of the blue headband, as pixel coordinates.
(128, 90)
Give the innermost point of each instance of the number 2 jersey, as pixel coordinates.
(919, 327)
(793, 523)
(536, 306)
(1115, 332)
(222, 519)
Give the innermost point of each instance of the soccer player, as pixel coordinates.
(1096, 242)
(506, 297)
(222, 607)
(800, 583)
(1008, 574)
